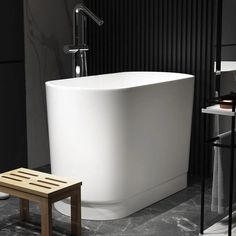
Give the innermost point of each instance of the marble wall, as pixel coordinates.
(48, 27)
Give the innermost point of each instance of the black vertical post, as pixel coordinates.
(218, 45)
(203, 170)
(231, 167)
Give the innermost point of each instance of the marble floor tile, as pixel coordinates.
(177, 215)
(221, 228)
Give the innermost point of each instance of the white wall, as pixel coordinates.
(48, 27)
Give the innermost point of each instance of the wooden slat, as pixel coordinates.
(35, 182)
(45, 189)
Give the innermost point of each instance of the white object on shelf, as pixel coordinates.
(4, 196)
(217, 110)
(227, 66)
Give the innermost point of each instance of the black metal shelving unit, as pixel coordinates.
(213, 107)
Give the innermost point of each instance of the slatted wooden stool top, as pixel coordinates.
(45, 188)
(35, 182)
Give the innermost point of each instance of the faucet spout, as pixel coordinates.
(79, 47)
(81, 7)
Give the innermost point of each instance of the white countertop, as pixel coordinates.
(215, 109)
(227, 66)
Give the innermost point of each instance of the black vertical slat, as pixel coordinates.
(168, 35)
(142, 34)
(219, 43)
(156, 30)
(94, 43)
(189, 36)
(194, 162)
(186, 48)
(173, 35)
(167, 38)
(176, 28)
(208, 70)
(164, 35)
(134, 33)
(197, 82)
(112, 47)
(212, 10)
(110, 33)
(178, 41)
(178, 33)
(151, 36)
(138, 34)
(206, 52)
(130, 35)
(194, 35)
(106, 38)
(117, 40)
(203, 50)
(200, 62)
(147, 30)
(202, 72)
(183, 38)
(161, 33)
(100, 39)
(123, 61)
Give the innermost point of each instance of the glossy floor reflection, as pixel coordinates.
(221, 227)
(177, 215)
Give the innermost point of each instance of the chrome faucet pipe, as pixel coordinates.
(81, 7)
(79, 47)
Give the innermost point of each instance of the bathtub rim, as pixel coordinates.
(55, 83)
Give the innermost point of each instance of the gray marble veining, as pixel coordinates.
(47, 28)
(177, 215)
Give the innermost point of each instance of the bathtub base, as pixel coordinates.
(122, 209)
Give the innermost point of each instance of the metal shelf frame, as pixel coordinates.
(210, 140)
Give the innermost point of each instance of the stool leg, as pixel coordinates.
(24, 209)
(46, 218)
(76, 213)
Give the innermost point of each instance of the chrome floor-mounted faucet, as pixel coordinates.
(79, 47)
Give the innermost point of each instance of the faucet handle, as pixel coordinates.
(75, 48)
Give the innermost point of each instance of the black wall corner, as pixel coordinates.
(13, 134)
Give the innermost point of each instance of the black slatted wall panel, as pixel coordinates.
(157, 35)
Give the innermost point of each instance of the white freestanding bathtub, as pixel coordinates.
(126, 136)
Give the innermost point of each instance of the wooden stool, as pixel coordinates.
(46, 189)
